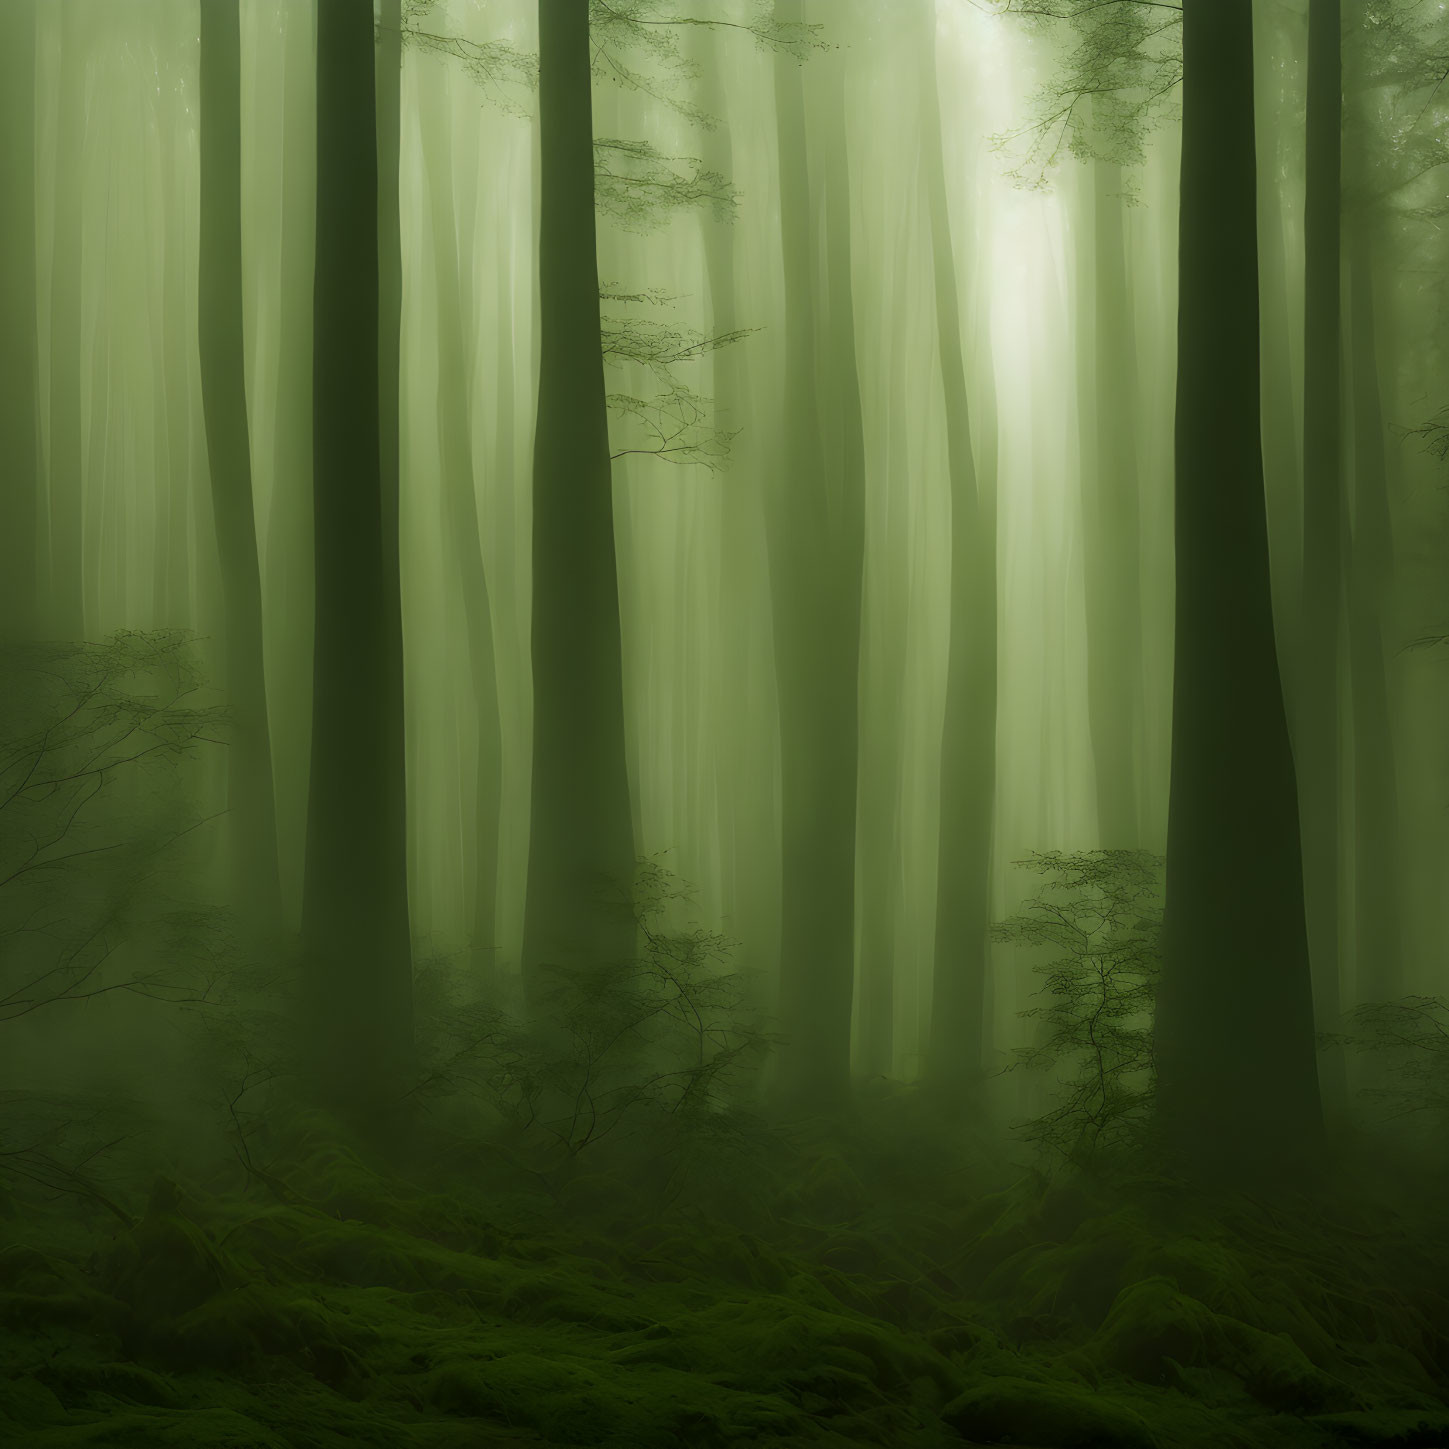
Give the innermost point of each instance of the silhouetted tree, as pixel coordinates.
(355, 910)
(1235, 1040)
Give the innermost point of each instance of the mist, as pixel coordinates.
(722, 722)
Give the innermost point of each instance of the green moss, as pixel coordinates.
(1052, 1416)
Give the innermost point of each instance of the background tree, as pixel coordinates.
(815, 544)
(21, 499)
(958, 1041)
(252, 819)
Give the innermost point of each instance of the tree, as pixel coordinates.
(1111, 545)
(357, 985)
(957, 1041)
(816, 550)
(66, 603)
(88, 904)
(452, 236)
(581, 841)
(1235, 1040)
(250, 791)
(1320, 630)
(20, 495)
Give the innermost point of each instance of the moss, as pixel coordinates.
(1405, 1429)
(1052, 1416)
(1152, 1327)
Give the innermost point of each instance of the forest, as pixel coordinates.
(722, 722)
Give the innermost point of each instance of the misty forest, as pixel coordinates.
(722, 722)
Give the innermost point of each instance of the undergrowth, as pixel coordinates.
(451, 1300)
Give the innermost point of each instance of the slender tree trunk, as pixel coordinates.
(1112, 543)
(845, 455)
(251, 810)
(1378, 905)
(1320, 628)
(20, 498)
(289, 602)
(581, 845)
(1238, 1077)
(958, 1040)
(742, 704)
(66, 611)
(885, 622)
(815, 543)
(355, 911)
(460, 514)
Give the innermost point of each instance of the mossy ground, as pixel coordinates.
(855, 1296)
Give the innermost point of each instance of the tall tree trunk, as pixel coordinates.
(1320, 627)
(815, 548)
(845, 456)
(957, 1042)
(288, 602)
(20, 498)
(581, 844)
(1112, 541)
(1378, 905)
(1238, 1077)
(355, 911)
(251, 809)
(885, 622)
(1279, 389)
(743, 708)
(460, 511)
(66, 609)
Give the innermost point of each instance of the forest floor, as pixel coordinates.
(868, 1296)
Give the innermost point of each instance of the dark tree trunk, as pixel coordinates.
(289, 600)
(1238, 1077)
(581, 845)
(1378, 904)
(1319, 631)
(250, 798)
(355, 913)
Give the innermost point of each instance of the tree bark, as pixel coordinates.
(1378, 905)
(355, 910)
(1238, 1084)
(250, 797)
(581, 845)
(815, 553)
(1320, 628)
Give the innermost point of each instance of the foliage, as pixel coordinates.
(1113, 84)
(673, 422)
(1101, 910)
(1410, 1040)
(638, 187)
(636, 45)
(653, 1051)
(91, 735)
